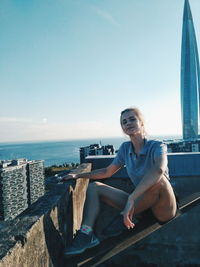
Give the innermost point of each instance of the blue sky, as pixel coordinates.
(68, 67)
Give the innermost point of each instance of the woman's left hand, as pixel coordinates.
(128, 213)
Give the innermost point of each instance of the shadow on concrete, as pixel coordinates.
(56, 236)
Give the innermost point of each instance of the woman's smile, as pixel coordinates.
(130, 123)
(130, 128)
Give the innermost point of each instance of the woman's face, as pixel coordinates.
(130, 124)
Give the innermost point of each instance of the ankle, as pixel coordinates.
(86, 229)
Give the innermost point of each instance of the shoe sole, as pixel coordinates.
(115, 234)
(81, 250)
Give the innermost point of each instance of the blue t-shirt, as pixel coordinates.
(137, 166)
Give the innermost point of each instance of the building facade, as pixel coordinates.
(21, 184)
(95, 150)
(35, 180)
(13, 190)
(184, 146)
(190, 77)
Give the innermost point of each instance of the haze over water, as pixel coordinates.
(57, 152)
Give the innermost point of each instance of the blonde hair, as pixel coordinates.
(138, 114)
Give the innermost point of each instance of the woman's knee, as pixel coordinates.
(94, 187)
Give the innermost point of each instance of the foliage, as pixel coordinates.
(56, 169)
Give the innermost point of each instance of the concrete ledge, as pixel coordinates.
(37, 236)
(112, 246)
(180, 164)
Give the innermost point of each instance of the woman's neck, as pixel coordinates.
(138, 143)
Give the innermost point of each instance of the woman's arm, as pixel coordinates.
(96, 174)
(151, 177)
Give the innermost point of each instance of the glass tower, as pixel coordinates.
(190, 77)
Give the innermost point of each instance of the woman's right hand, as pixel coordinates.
(67, 177)
(128, 213)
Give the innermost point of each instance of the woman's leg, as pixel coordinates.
(96, 191)
(85, 237)
(165, 209)
(161, 199)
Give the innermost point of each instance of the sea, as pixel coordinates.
(58, 152)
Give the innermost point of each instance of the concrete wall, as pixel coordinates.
(184, 164)
(36, 238)
(177, 243)
(180, 164)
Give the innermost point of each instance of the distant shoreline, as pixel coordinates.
(163, 137)
(58, 152)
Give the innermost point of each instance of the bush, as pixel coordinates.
(54, 169)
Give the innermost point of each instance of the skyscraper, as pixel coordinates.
(190, 77)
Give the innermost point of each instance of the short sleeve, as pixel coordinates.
(159, 149)
(119, 159)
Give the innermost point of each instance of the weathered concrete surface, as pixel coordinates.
(38, 236)
(175, 244)
(25, 241)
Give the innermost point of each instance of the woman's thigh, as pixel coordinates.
(160, 198)
(166, 207)
(114, 197)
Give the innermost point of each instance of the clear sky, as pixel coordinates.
(68, 67)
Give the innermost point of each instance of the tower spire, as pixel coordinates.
(187, 14)
(190, 77)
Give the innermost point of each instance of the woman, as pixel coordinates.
(146, 164)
